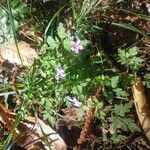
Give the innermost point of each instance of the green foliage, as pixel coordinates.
(116, 87)
(119, 121)
(120, 92)
(129, 58)
(19, 9)
(61, 31)
(52, 43)
(121, 109)
(51, 92)
(86, 8)
(118, 138)
(126, 124)
(114, 81)
(19, 12)
(82, 76)
(146, 81)
(101, 115)
(49, 117)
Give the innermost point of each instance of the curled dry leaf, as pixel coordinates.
(141, 105)
(8, 51)
(31, 133)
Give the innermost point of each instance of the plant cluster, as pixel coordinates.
(72, 70)
(65, 75)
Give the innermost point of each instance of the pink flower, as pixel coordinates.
(76, 46)
(60, 73)
(75, 102)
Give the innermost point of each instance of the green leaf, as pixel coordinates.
(48, 103)
(61, 31)
(14, 3)
(101, 115)
(134, 62)
(118, 138)
(52, 43)
(4, 19)
(84, 43)
(116, 123)
(120, 92)
(129, 58)
(131, 125)
(52, 120)
(43, 100)
(124, 124)
(47, 116)
(121, 109)
(122, 56)
(147, 80)
(22, 9)
(114, 81)
(133, 51)
(67, 44)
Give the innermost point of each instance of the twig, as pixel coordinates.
(11, 93)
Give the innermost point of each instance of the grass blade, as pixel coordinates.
(130, 27)
(142, 16)
(13, 29)
(50, 22)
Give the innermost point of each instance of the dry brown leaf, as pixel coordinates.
(29, 133)
(141, 105)
(8, 51)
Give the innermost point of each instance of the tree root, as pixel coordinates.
(141, 105)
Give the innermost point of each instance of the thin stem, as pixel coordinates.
(13, 29)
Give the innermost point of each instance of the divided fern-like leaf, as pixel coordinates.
(61, 31)
(114, 81)
(129, 58)
(52, 43)
(147, 80)
(133, 51)
(121, 109)
(120, 92)
(126, 124)
(119, 121)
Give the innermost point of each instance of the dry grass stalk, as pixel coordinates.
(89, 114)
